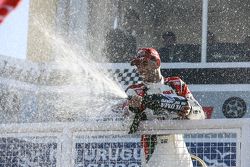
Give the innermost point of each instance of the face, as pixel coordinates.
(169, 40)
(247, 41)
(211, 38)
(148, 70)
(130, 23)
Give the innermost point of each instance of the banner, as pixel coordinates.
(108, 151)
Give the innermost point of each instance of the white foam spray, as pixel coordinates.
(91, 91)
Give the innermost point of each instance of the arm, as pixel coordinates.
(181, 89)
(185, 107)
(157, 103)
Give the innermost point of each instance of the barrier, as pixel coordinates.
(100, 144)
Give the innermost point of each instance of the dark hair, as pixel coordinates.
(247, 39)
(209, 33)
(131, 13)
(168, 34)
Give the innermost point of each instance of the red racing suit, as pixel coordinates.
(165, 150)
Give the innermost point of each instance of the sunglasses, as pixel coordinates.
(145, 62)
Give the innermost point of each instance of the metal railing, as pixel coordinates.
(59, 143)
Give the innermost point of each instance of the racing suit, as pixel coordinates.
(165, 150)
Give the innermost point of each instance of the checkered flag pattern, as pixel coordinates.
(125, 76)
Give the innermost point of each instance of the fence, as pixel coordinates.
(220, 142)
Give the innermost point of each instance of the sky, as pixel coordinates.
(13, 32)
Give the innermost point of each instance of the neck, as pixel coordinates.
(158, 77)
(169, 45)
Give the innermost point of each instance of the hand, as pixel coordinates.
(135, 101)
(185, 111)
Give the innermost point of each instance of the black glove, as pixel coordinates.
(158, 102)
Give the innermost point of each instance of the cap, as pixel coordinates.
(146, 54)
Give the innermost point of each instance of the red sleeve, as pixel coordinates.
(178, 85)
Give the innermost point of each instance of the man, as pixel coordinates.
(161, 98)
(246, 46)
(119, 46)
(211, 38)
(170, 52)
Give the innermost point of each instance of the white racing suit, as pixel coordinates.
(165, 150)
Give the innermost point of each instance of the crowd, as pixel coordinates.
(121, 45)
